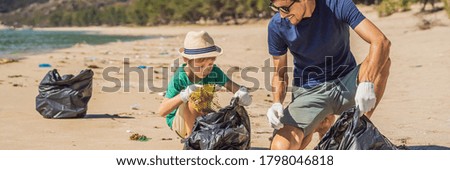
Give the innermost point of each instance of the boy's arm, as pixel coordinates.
(241, 92)
(168, 105)
(232, 86)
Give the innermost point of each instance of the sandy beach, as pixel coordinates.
(413, 112)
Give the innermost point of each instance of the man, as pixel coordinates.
(326, 78)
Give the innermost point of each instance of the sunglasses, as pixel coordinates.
(283, 9)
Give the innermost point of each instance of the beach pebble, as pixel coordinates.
(267, 100)
(135, 106)
(15, 76)
(108, 52)
(93, 66)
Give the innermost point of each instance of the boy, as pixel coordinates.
(199, 54)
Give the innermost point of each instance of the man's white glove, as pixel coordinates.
(274, 114)
(365, 98)
(186, 93)
(244, 98)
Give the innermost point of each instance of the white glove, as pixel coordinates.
(274, 114)
(365, 97)
(186, 93)
(217, 87)
(244, 98)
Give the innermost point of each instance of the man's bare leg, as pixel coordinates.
(306, 141)
(323, 128)
(287, 138)
(325, 125)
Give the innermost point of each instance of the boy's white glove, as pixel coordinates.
(217, 87)
(186, 93)
(365, 98)
(244, 98)
(274, 114)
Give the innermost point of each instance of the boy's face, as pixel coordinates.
(201, 67)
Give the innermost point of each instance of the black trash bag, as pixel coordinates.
(353, 133)
(227, 129)
(66, 96)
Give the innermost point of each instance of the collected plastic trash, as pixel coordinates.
(90, 59)
(44, 65)
(7, 60)
(202, 98)
(64, 96)
(135, 106)
(351, 132)
(226, 129)
(164, 53)
(142, 67)
(139, 137)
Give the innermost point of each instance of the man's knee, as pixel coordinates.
(325, 125)
(288, 137)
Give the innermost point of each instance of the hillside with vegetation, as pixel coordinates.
(132, 12)
(51, 13)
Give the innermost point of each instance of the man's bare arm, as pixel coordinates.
(280, 78)
(379, 49)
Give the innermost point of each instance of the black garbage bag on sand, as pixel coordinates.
(353, 133)
(227, 129)
(64, 96)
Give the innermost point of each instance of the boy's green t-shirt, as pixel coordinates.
(180, 81)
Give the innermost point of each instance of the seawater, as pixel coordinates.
(17, 42)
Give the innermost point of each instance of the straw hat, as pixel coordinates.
(199, 45)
